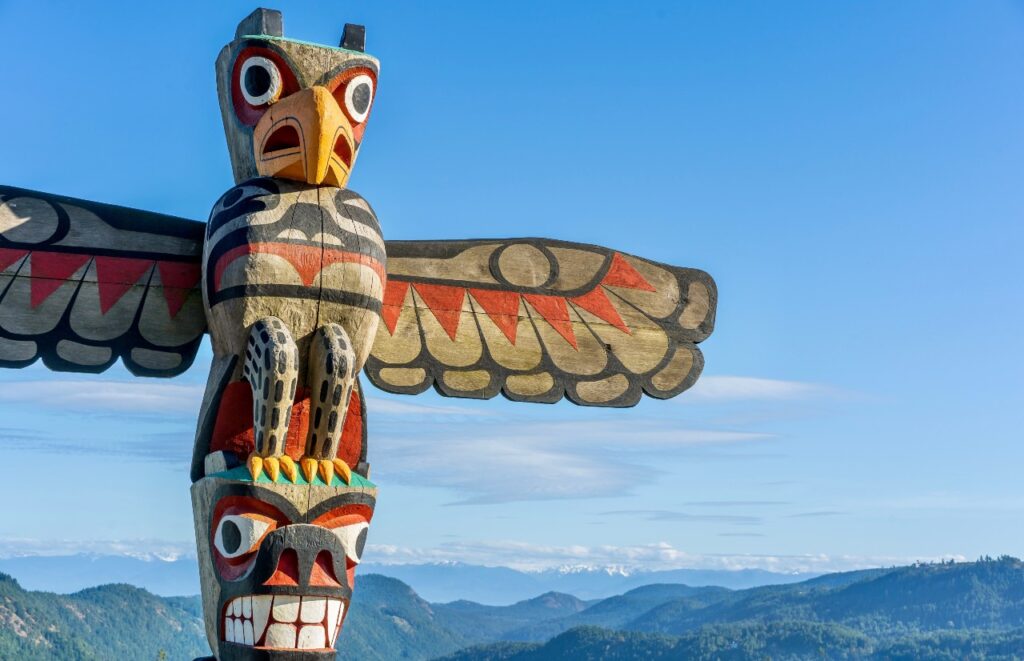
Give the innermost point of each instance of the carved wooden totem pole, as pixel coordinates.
(300, 293)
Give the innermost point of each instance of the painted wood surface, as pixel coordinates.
(84, 284)
(536, 320)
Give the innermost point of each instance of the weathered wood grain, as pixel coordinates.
(84, 284)
(536, 320)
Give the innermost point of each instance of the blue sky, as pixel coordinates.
(848, 172)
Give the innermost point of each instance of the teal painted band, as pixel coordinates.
(241, 474)
(306, 43)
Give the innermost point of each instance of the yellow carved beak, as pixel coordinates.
(306, 137)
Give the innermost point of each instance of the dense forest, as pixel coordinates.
(925, 611)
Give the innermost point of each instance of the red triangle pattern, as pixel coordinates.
(502, 307)
(10, 255)
(116, 275)
(445, 303)
(178, 280)
(50, 270)
(596, 303)
(394, 296)
(556, 312)
(621, 274)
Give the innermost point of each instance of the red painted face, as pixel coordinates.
(354, 89)
(259, 78)
(240, 523)
(350, 524)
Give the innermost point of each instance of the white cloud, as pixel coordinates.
(518, 459)
(379, 405)
(649, 557)
(749, 388)
(142, 549)
(483, 454)
(523, 556)
(100, 396)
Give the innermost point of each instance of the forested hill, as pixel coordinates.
(108, 622)
(931, 611)
(940, 611)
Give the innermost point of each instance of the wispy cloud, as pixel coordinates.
(660, 556)
(816, 514)
(741, 534)
(735, 503)
(523, 556)
(670, 515)
(748, 388)
(143, 549)
(516, 460)
(382, 406)
(482, 455)
(93, 396)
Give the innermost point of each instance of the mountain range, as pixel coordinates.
(436, 582)
(929, 611)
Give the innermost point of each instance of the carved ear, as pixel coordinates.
(261, 21)
(354, 37)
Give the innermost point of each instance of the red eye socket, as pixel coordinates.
(354, 90)
(259, 78)
(239, 525)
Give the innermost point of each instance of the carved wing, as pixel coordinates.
(83, 284)
(537, 319)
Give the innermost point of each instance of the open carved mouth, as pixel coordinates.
(283, 621)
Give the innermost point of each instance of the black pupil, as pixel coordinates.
(230, 536)
(257, 80)
(361, 542)
(361, 98)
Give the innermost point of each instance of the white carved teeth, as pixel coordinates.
(283, 621)
(260, 614)
(313, 609)
(286, 607)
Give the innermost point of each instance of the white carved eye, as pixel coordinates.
(238, 535)
(260, 81)
(353, 539)
(358, 97)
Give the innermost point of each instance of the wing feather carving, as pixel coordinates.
(536, 320)
(85, 284)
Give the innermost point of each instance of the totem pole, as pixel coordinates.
(299, 293)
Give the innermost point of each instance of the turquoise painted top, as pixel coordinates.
(305, 43)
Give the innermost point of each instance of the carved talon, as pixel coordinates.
(289, 468)
(326, 469)
(255, 465)
(343, 471)
(308, 465)
(272, 467)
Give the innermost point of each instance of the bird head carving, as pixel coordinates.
(292, 109)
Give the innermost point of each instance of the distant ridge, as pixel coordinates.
(65, 574)
(436, 582)
(927, 611)
(442, 582)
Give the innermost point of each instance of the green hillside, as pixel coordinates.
(778, 641)
(478, 623)
(988, 594)
(108, 622)
(390, 621)
(942, 611)
(618, 612)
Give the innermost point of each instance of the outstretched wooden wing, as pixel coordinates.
(537, 319)
(83, 284)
